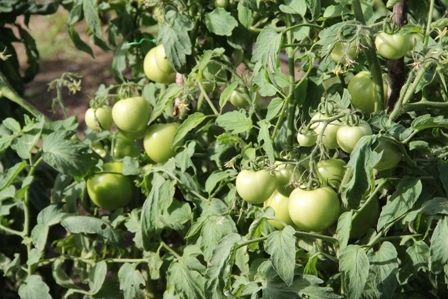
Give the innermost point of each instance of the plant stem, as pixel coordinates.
(170, 250)
(10, 230)
(290, 103)
(316, 236)
(216, 112)
(428, 24)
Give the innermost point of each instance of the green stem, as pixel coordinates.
(424, 104)
(257, 240)
(170, 250)
(216, 112)
(10, 230)
(428, 24)
(316, 236)
(291, 99)
(357, 10)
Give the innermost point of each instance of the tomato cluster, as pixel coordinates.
(157, 67)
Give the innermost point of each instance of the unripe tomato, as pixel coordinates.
(307, 139)
(132, 114)
(124, 147)
(221, 3)
(153, 72)
(362, 91)
(314, 210)
(284, 173)
(329, 135)
(98, 119)
(343, 51)
(392, 46)
(98, 147)
(110, 189)
(280, 204)
(162, 61)
(239, 98)
(157, 142)
(391, 155)
(331, 172)
(255, 186)
(133, 135)
(348, 136)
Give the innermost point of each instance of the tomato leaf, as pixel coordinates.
(274, 107)
(39, 236)
(235, 121)
(185, 282)
(401, 201)
(438, 257)
(353, 262)
(294, 7)
(244, 15)
(78, 42)
(216, 228)
(266, 48)
(428, 121)
(166, 98)
(174, 37)
(281, 246)
(343, 228)
(97, 275)
(192, 122)
(12, 125)
(261, 78)
(220, 265)
(220, 22)
(384, 265)
(61, 277)
(13, 171)
(131, 281)
(216, 177)
(51, 215)
(435, 206)
(265, 138)
(225, 95)
(91, 225)
(34, 288)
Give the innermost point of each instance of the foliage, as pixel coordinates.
(187, 232)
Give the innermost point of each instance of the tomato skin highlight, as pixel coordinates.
(348, 136)
(255, 186)
(392, 46)
(329, 135)
(279, 203)
(314, 210)
(331, 172)
(99, 119)
(157, 142)
(131, 114)
(110, 191)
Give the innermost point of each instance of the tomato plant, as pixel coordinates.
(98, 119)
(314, 210)
(255, 186)
(331, 172)
(280, 204)
(131, 114)
(392, 46)
(158, 142)
(349, 135)
(110, 189)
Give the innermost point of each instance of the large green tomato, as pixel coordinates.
(365, 219)
(132, 114)
(124, 147)
(314, 210)
(331, 172)
(362, 91)
(280, 204)
(342, 51)
(329, 135)
(239, 98)
(157, 142)
(110, 189)
(153, 72)
(348, 136)
(255, 186)
(162, 61)
(391, 155)
(133, 135)
(285, 174)
(392, 46)
(98, 119)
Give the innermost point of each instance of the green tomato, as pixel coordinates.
(342, 51)
(153, 72)
(132, 114)
(285, 174)
(329, 135)
(110, 189)
(314, 210)
(391, 155)
(98, 119)
(255, 186)
(162, 61)
(367, 217)
(362, 92)
(279, 203)
(124, 147)
(133, 135)
(158, 140)
(348, 136)
(221, 3)
(98, 147)
(239, 98)
(331, 172)
(392, 46)
(307, 139)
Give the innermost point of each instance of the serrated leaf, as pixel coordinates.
(91, 17)
(220, 265)
(401, 201)
(175, 39)
(12, 125)
(51, 215)
(265, 138)
(281, 246)
(274, 107)
(435, 206)
(39, 235)
(428, 121)
(34, 288)
(225, 95)
(166, 98)
(343, 228)
(353, 262)
(384, 265)
(267, 48)
(216, 177)
(154, 264)
(220, 22)
(293, 7)
(177, 215)
(192, 122)
(131, 282)
(25, 144)
(91, 225)
(97, 275)
(187, 283)
(216, 227)
(235, 121)
(439, 246)
(67, 156)
(419, 254)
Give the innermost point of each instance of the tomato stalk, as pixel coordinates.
(207, 99)
(291, 101)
